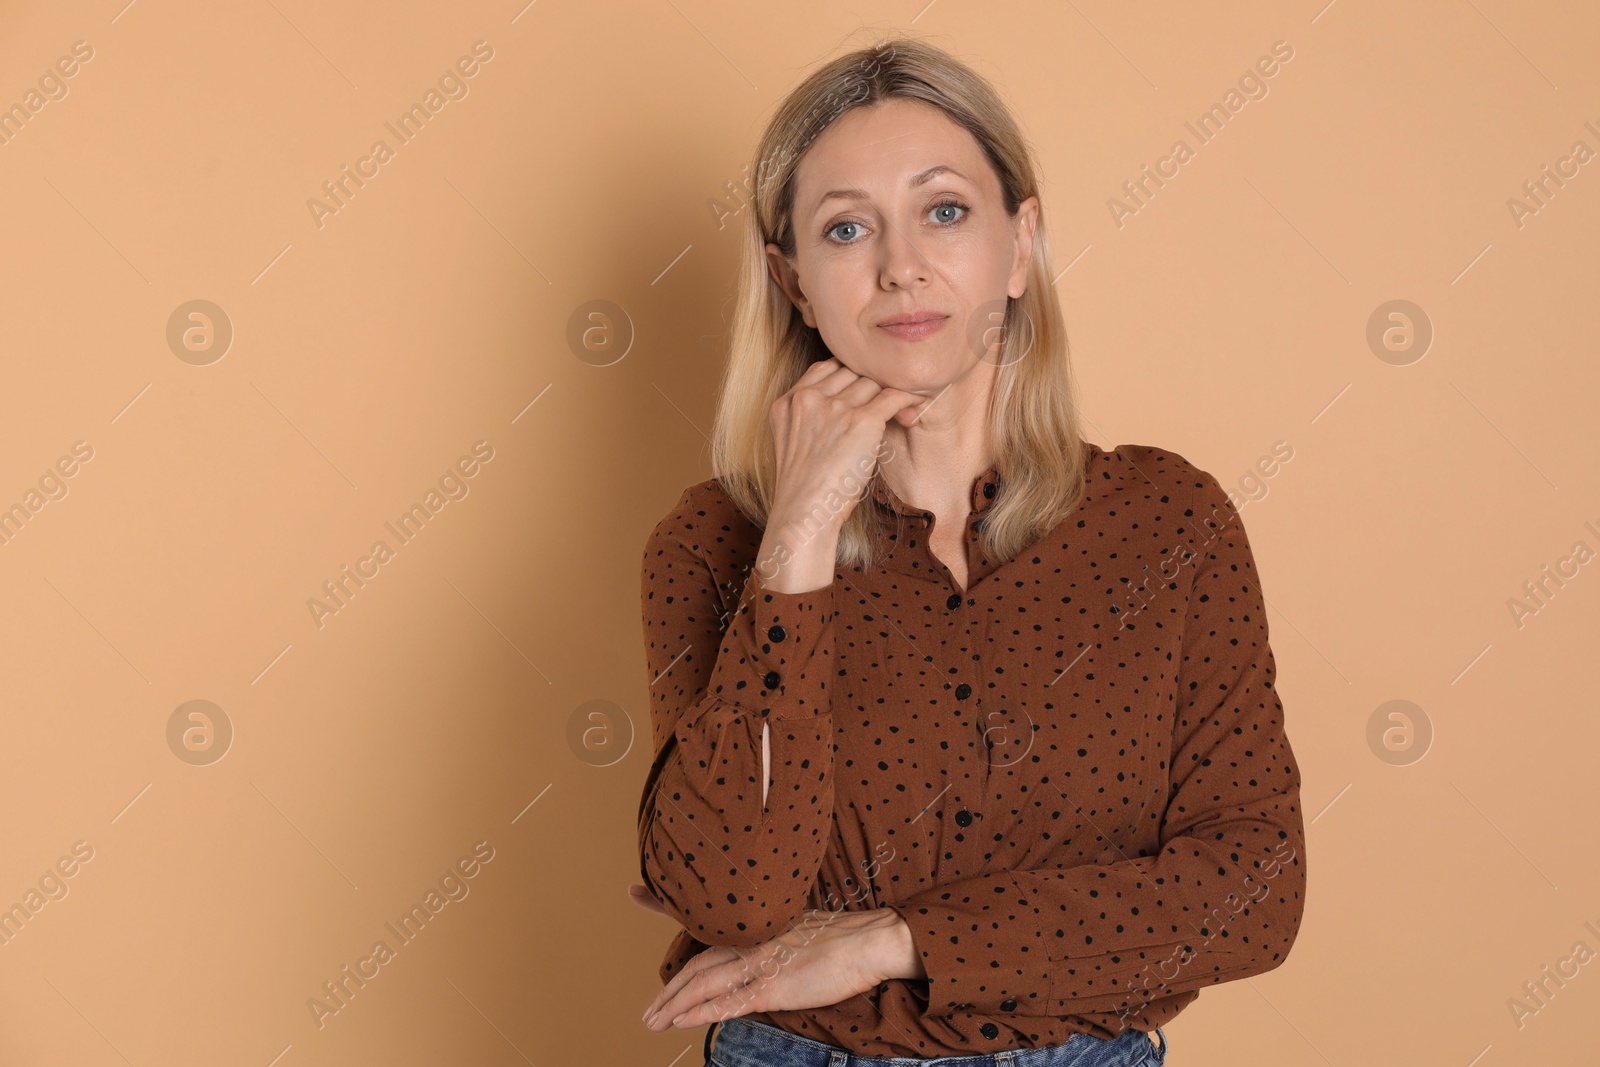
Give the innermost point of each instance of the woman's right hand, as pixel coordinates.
(828, 431)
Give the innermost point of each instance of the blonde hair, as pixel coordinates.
(1033, 411)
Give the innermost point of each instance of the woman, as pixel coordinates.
(966, 740)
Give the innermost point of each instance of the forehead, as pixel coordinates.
(879, 147)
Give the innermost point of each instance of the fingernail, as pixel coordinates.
(680, 1018)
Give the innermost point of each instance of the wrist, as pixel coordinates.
(798, 561)
(898, 956)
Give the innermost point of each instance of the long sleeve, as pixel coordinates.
(731, 850)
(1222, 896)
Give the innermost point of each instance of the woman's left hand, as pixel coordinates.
(640, 895)
(826, 957)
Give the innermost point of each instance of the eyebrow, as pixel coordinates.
(916, 180)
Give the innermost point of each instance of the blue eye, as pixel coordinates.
(942, 205)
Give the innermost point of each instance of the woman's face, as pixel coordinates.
(919, 228)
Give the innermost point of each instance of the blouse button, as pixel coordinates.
(963, 691)
(954, 602)
(989, 1030)
(776, 633)
(964, 818)
(772, 679)
(1009, 1004)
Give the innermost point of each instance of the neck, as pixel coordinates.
(938, 457)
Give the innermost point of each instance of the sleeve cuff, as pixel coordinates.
(962, 960)
(777, 653)
(978, 968)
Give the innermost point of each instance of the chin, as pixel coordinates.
(929, 383)
(915, 374)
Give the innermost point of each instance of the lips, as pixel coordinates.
(914, 325)
(910, 317)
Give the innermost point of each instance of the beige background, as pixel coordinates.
(437, 708)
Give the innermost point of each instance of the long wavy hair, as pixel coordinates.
(1033, 411)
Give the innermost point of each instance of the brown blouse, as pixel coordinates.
(1073, 780)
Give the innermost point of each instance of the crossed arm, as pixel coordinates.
(1221, 899)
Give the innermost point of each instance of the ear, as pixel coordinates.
(783, 272)
(1025, 222)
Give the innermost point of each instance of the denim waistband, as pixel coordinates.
(744, 1042)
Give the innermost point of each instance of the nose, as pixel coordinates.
(904, 265)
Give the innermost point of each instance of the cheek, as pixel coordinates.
(982, 266)
(840, 294)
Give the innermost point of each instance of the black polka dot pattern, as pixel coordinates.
(1071, 778)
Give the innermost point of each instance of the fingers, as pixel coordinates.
(830, 377)
(810, 378)
(719, 1009)
(700, 963)
(642, 896)
(819, 372)
(669, 991)
(727, 984)
(890, 402)
(857, 389)
(863, 391)
(838, 381)
(709, 958)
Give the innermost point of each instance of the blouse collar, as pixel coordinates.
(984, 488)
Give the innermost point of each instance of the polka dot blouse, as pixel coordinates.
(1071, 778)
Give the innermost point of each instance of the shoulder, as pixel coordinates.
(1167, 483)
(706, 523)
(1154, 466)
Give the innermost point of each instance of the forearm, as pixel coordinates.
(738, 803)
(1113, 937)
(728, 872)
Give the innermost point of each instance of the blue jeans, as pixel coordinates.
(741, 1042)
